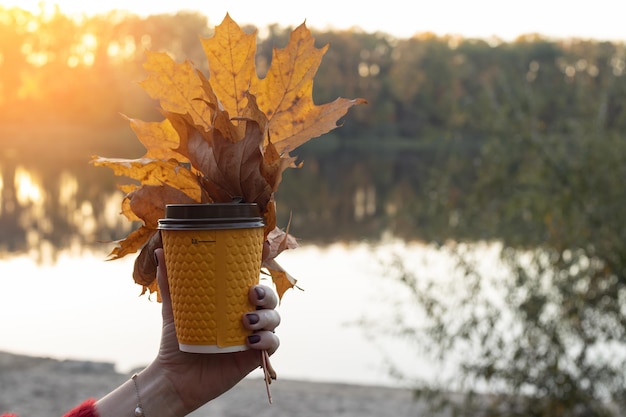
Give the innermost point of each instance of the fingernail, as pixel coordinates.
(254, 338)
(156, 259)
(260, 293)
(252, 318)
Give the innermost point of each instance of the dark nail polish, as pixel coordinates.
(252, 318)
(254, 338)
(260, 293)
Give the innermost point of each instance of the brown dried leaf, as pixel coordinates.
(279, 241)
(144, 271)
(239, 164)
(194, 143)
(148, 202)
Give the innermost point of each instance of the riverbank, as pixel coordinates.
(44, 387)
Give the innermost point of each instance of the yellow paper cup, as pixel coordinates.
(213, 256)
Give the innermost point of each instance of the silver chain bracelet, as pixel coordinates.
(139, 408)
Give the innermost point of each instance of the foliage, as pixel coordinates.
(224, 137)
(543, 333)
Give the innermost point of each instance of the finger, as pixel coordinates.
(144, 270)
(261, 320)
(164, 288)
(263, 296)
(264, 340)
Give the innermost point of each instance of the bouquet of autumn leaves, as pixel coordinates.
(225, 136)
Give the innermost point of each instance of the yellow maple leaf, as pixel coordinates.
(231, 54)
(224, 136)
(159, 138)
(177, 87)
(155, 172)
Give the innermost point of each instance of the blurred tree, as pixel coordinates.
(544, 333)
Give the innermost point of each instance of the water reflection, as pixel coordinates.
(28, 188)
(364, 202)
(58, 200)
(1, 189)
(41, 211)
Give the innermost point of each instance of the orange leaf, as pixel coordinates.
(282, 280)
(270, 217)
(294, 129)
(279, 241)
(274, 165)
(152, 287)
(126, 210)
(132, 243)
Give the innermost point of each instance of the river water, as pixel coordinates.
(83, 307)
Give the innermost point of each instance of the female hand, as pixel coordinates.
(198, 378)
(176, 383)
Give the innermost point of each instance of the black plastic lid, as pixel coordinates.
(211, 216)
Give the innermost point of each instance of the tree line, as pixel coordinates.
(54, 68)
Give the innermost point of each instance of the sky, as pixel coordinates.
(505, 19)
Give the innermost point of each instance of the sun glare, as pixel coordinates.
(84, 52)
(127, 47)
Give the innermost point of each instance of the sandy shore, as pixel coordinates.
(42, 387)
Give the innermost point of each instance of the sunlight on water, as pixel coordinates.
(68, 188)
(112, 204)
(28, 188)
(79, 215)
(1, 190)
(84, 218)
(83, 307)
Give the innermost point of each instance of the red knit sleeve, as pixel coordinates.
(86, 409)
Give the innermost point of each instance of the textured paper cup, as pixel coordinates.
(213, 256)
